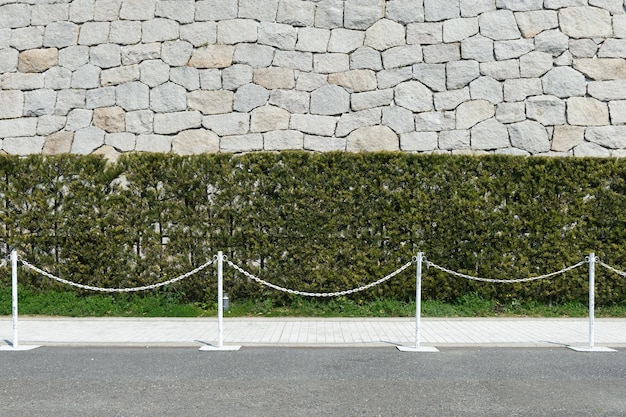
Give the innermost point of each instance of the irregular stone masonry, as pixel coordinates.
(523, 77)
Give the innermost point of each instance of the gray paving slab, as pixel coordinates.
(50, 331)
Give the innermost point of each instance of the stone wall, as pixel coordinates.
(528, 77)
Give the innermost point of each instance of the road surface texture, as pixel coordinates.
(281, 381)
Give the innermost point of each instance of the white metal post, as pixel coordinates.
(592, 300)
(220, 300)
(418, 309)
(14, 297)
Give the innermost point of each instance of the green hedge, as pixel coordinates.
(319, 222)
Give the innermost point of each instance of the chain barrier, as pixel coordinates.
(118, 290)
(610, 268)
(501, 281)
(317, 294)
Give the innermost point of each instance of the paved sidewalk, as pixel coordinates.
(438, 332)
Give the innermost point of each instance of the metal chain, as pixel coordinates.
(134, 289)
(610, 268)
(507, 281)
(317, 294)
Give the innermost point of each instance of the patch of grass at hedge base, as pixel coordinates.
(319, 222)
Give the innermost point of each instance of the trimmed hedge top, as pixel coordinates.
(319, 222)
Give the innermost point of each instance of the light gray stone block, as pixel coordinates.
(22, 38)
(249, 97)
(602, 68)
(477, 48)
(619, 26)
(106, 10)
(404, 11)
(329, 14)
(182, 11)
(617, 110)
(559, 4)
(460, 73)
(211, 102)
(472, 112)
(107, 55)
(345, 40)
(450, 100)
(608, 90)
(87, 140)
(399, 119)
(94, 33)
(154, 143)
(329, 63)
(123, 142)
(296, 13)
(167, 97)
(234, 31)
(256, 56)
(69, 99)
(372, 139)
(486, 88)
(199, 33)
(354, 81)
(438, 10)
(132, 96)
(511, 112)
(547, 110)
(535, 64)
(583, 48)
(324, 144)
(312, 39)
(135, 54)
(553, 42)
(278, 35)
(589, 149)
(532, 23)
(313, 124)
(501, 70)
(60, 35)
(18, 127)
(414, 96)
(564, 82)
(74, 57)
(23, 146)
(585, 22)
(349, 122)
(456, 30)
(214, 10)
(566, 137)
(78, 119)
(512, 49)
(361, 14)
(210, 79)
(385, 34)
(613, 137)
(140, 121)
(261, 10)
(424, 33)
(228, 124)
(434, 54)
(366, 58)
(268, 118)
(489, 134)
(137, 9)
(586, 111)
(432, 75)
(302, 61)
(471, 8)
(308, 81)
(282, 140)
(242, 143)
(124, 32)
(434, 121)
(154, 72)
(393, 77)
(530, 136)
(419, 141)
(14, 15)
(371, 99)
(498, 25)
(613, 48)
(187, 77)
(330, 100)
(401, 56)
(521, 88)
(236, 75)
(291, 100)
(169, 123)
(87, 76)
(178, 53)
(12, 104)
(454, 140)
(519, 5)
(39, 102)
(100, 97)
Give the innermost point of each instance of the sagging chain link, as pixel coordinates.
(118, 290)
(502, 281)
(610, 268)
(316, 294)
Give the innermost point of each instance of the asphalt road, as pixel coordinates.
(311, 382)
